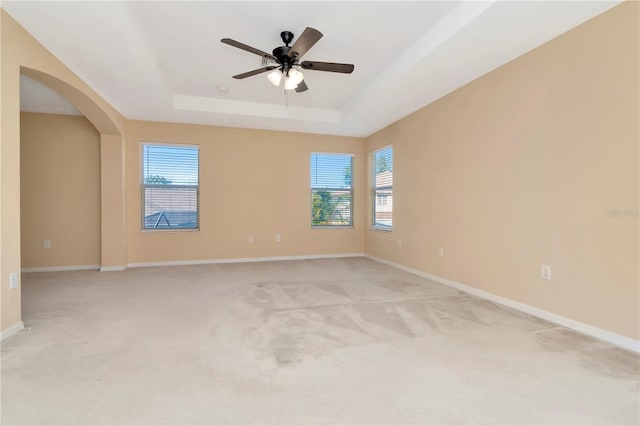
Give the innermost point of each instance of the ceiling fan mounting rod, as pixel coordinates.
(287, 37)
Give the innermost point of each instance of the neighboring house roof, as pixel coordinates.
(171, 219)
(170, 207)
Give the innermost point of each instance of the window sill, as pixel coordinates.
(170, 231)
(331, 226)
(380, 228)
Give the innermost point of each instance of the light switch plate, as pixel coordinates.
(13, 280)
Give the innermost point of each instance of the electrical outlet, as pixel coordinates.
(399, 243)
(13, 280)
(250, 239)
(278, 238)
(440, 251)
(545, 272)
(46, 244)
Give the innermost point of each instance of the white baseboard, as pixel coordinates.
(242, 260)
(11, 330)
(61, 268)
(598, 333)
(112, 268)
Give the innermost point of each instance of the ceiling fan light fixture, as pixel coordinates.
(296, 75)
(293, 78)
(275, 77)
(289, 84)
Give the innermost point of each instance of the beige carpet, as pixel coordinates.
(345, 341)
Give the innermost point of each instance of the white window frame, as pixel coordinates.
(143, 185)
(374, 190)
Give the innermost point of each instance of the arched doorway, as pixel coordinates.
(22, 54)
(59, 183)
(112, 174)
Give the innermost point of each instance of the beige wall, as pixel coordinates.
(252, 182)
(528, 166)
(59, 190)
(22, 53)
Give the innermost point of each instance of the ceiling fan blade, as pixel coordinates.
(327, 66)
(307, 39)
(250, 49)
(302, 87)
(254, 72)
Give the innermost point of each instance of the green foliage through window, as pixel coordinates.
(157, 180)
(323, 207)
(331, 191)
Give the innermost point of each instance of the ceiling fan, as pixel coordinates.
(284, 60)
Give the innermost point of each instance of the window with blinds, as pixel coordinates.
(170, 187)
(331, 190)
(381, 164)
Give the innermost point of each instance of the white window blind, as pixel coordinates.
(170, 187)
(331, 190)
(381, 164)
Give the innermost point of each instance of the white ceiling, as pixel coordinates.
(163, 60)
(38, 97)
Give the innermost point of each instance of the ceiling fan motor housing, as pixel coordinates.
(282, 52)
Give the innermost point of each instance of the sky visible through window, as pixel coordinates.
(173, 165)
(330, 171)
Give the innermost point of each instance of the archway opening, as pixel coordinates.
(59, 182)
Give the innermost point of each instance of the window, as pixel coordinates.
(331, 190)
(169, 189)
(382, 200)
(382, 188)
